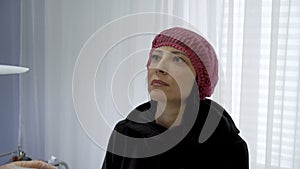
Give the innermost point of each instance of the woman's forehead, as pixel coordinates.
(169, 49)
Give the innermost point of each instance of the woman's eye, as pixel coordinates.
(155, 58)
(178, 59)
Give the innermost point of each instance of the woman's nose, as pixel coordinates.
(161, 66)
(160, 71)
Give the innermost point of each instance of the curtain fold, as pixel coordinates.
(31, 115)
(258, 47)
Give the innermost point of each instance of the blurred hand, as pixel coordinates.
(28, 165)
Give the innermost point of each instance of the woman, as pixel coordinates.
(180, 127)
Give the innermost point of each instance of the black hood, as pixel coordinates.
(219, 145)
(213, 124)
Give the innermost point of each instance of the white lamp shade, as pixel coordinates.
(8, 69)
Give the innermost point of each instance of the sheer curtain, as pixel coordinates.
(260, 54)
(31, 111)
(258, 45)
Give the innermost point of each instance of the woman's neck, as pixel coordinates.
(169, 114)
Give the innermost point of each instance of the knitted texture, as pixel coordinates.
(199, 51)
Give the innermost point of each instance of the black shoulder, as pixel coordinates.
(132, 115)
(219, 120)
(139, 122)
(123, 127)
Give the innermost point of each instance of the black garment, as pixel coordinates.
(224, 149)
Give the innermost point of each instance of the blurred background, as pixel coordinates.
(258, 47)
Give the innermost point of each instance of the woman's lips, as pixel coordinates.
(159, 83)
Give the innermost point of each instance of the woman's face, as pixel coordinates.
(170, 75)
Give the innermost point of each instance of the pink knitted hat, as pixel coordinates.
(199, 51)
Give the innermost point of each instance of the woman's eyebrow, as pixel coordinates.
(157, 51)
(173, 52)
(178, 52)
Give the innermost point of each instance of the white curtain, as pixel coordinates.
(31, 112)
(87, 61)
(260, 52)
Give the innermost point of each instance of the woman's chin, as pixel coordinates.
(158, 95)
